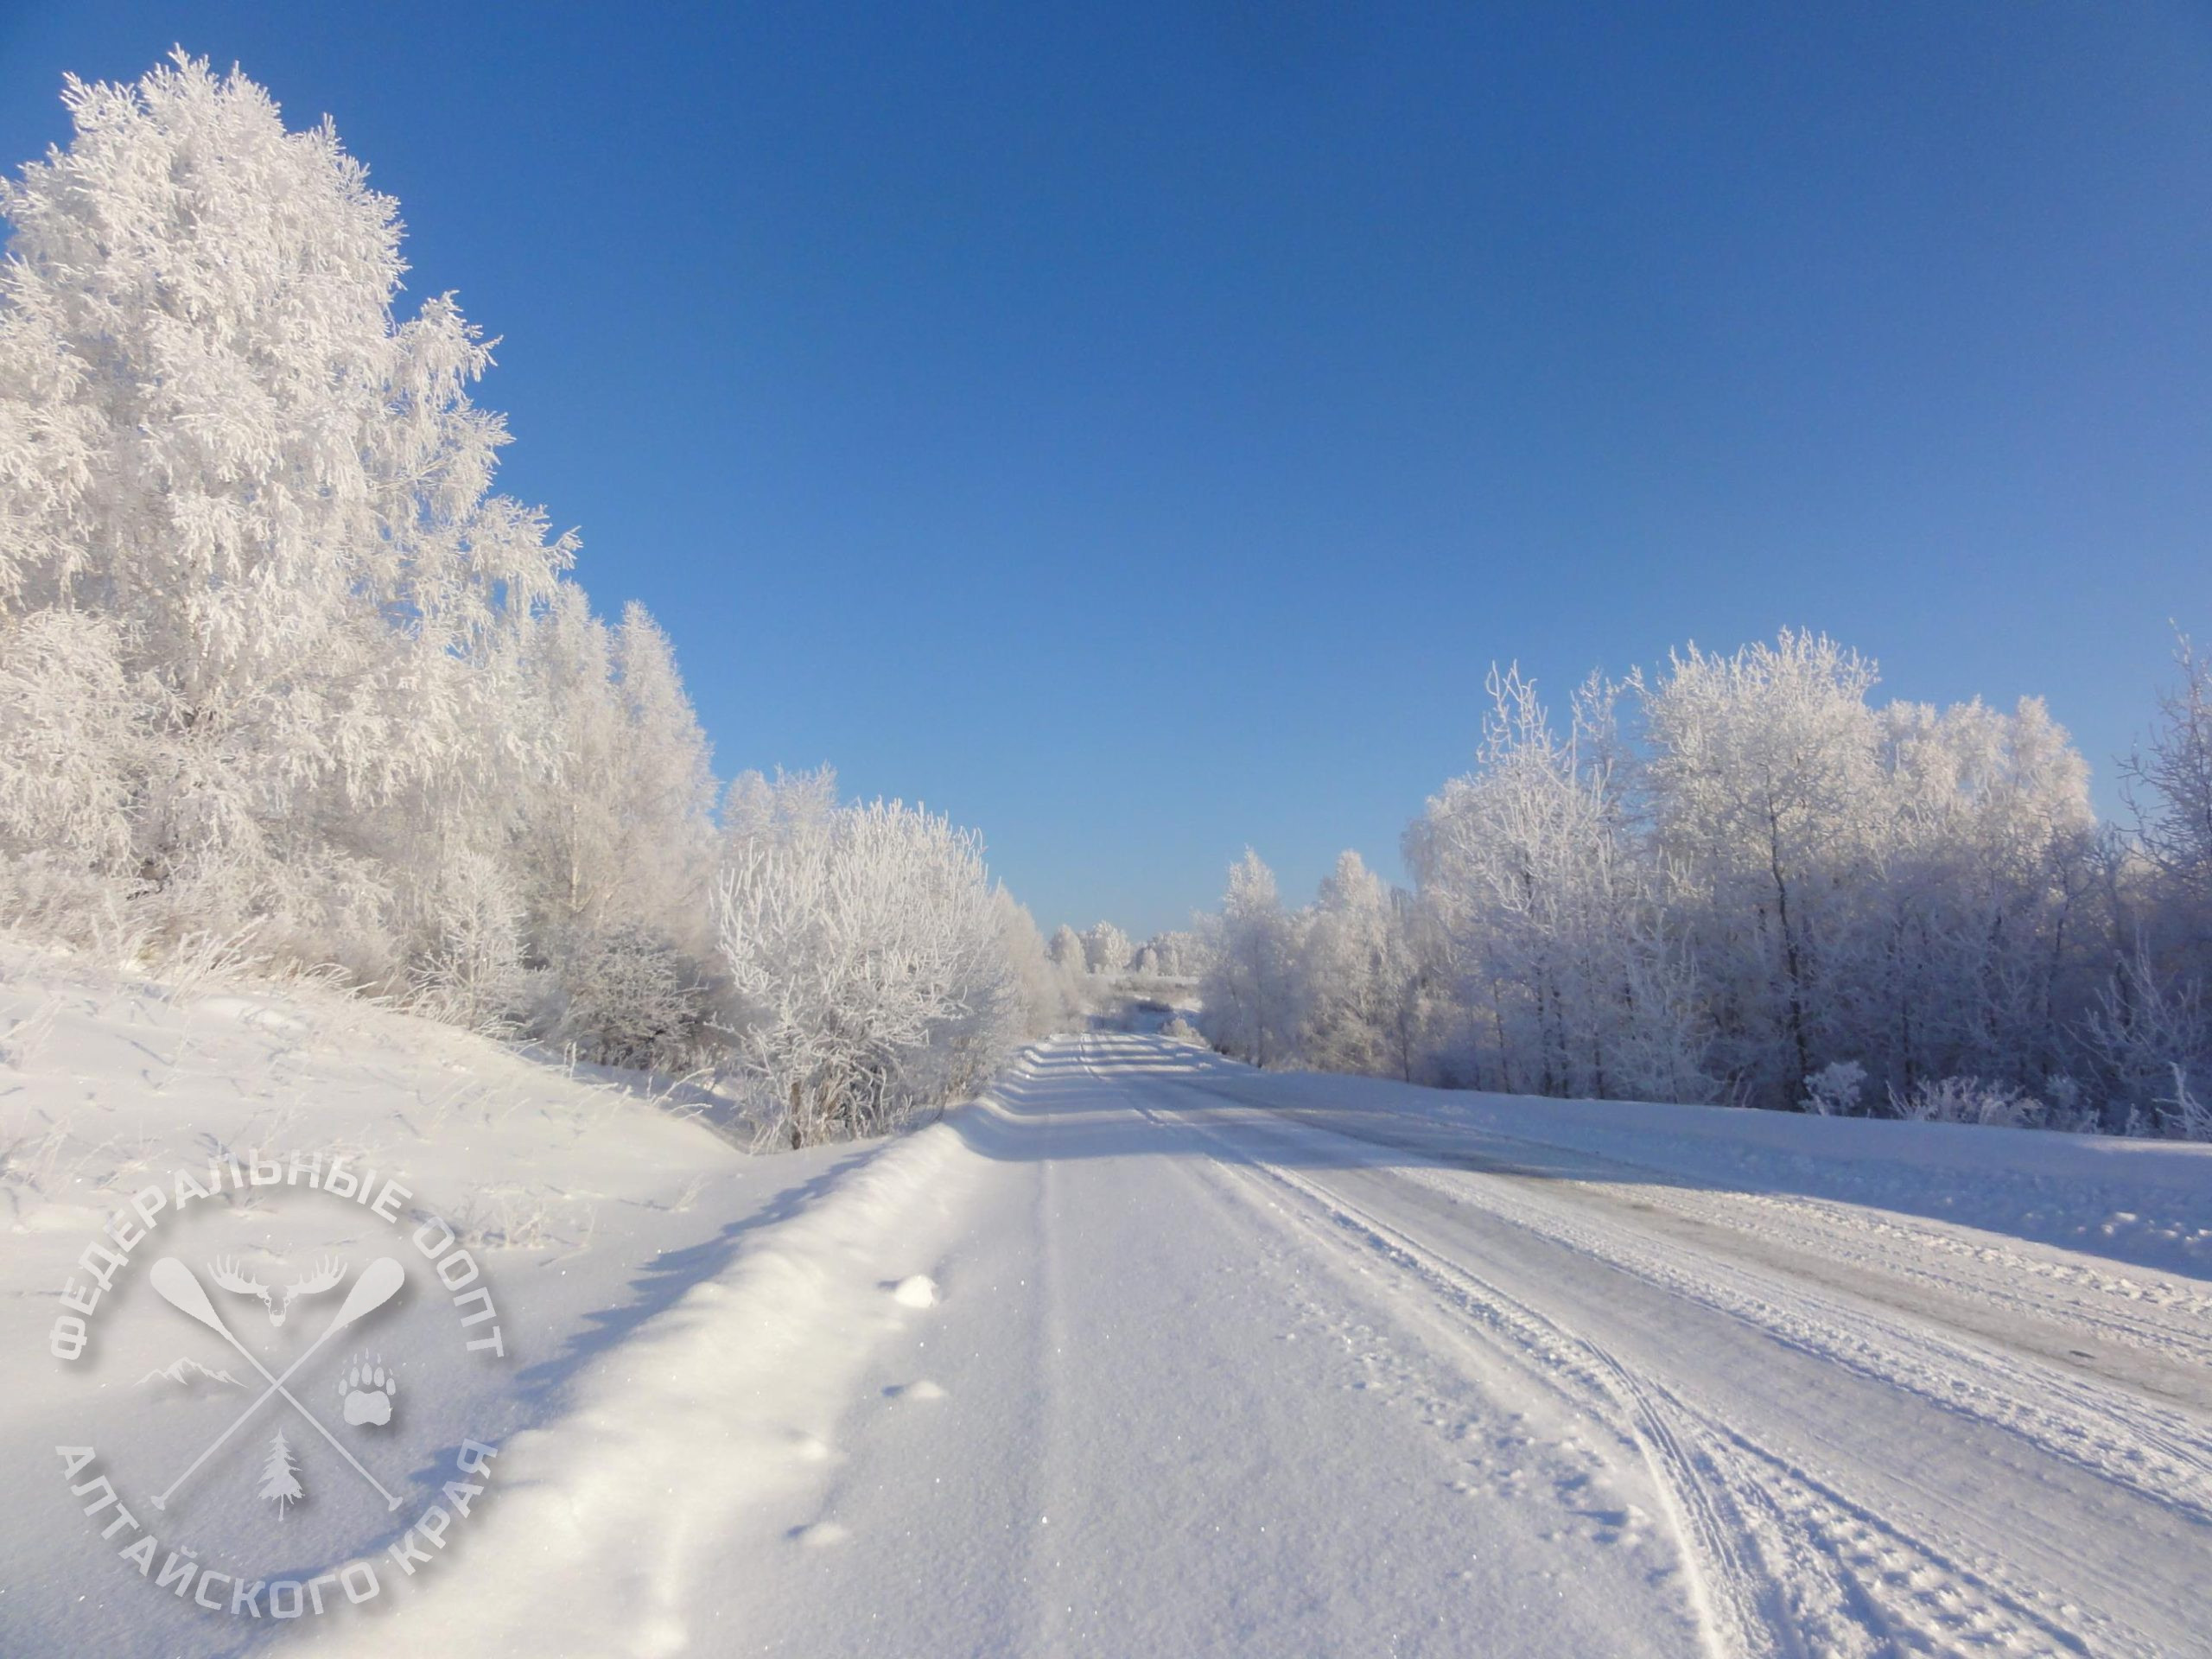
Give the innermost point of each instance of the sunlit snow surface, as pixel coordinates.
(1148, 1353)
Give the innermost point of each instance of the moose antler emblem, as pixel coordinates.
(329, 1271)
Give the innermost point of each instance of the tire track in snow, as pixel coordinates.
(1733, 1600)
(1785, 1562)
(2156, 1451)
(1784, 1565)
(2156, 1316)
(2141, 1309)
(2159, 1448)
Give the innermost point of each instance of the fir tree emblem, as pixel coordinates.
(280, 1480)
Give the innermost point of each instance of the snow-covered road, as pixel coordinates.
(1852, 1436)
(1221, 1361)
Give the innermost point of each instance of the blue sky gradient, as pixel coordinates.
(1135, 430)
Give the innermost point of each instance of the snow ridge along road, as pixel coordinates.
(610, 1517)
(1149, 1353)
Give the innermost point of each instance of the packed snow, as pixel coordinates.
(1141, 1351)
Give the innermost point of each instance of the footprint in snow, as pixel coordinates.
(925, 1389)
(820, 1536)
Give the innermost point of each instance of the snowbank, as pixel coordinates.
(2145, 1202)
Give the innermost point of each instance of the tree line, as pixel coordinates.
(282, 677)
(1741, 878)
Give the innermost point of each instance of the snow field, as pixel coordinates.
(1147, 1352)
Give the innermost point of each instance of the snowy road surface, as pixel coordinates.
(1152, 1354)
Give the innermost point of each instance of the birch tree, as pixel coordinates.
(217, 438)
(1358, 976)
(1547, 914)
(1249, 991)
(1764, 782)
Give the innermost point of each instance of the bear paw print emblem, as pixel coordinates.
(368, 1388)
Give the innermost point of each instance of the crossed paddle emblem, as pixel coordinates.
(175, 1282)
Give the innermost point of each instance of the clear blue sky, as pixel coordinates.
(1134, 429)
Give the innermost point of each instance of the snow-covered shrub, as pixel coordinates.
(1836, 1089)
(868, 975)
(2190, 1117)
(470, 971)
(628, 998)
(504, 1216)
(1179, 1030)
(2149, 1031)
(1968, 1100)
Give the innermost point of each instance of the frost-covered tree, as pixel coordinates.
(1545, 917)
(1965, 942)
(1746, 880)
(1357, 977)
(570, 834)
(69, 744)
(868, 971)
(274, 658)
(1046, 993)
(614, 840)
(792, 806)
(1179, 953)
(1766, 788)
(1250, 990)
(1106, 950)
(2167, 786)
(2150, 1032)
(472, 970)
(271, 496)
(1068, 953)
